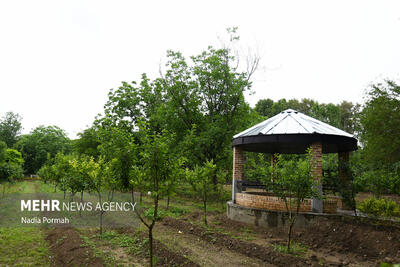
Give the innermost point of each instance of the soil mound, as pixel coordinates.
(68, 249)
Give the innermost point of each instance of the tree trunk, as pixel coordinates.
(101, 222)
(101, 214)
(205, 210)
(151, 245)
(55, 188)
(80, 210)
(168, 202)
(289, 236)
(64, 194)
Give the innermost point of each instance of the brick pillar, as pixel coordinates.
(237, 170)
(316, 173)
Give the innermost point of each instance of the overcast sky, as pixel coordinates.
(58, 59)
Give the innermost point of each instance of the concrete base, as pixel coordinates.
(317, 206)
(267, 218)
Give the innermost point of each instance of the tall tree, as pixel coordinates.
(264, 107)
(380, 120)
(41, 143)
(208, 93)
(203, 99)
(350, 119)
(87, 143)
(3, 148)
(157, 166)
(10, 128)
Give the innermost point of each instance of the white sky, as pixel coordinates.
(58, 59)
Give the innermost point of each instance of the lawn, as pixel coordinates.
(23, 246)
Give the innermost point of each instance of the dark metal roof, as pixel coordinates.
(292, 132)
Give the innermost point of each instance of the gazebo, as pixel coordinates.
(290, 132)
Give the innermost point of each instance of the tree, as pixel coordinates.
(291, 181)
(380, 119)
(10, 128)
(87, 143)
(350, 119)
(264, 107)
(42, 143)
(3, 148)
(78, 181)
(256, 166)
(156, 168)
(118, 146)
(349, 189)
(46, 173)
(208, 93)
(63, 171)
(201, 180)
(96, 172)
(205, 95)
(11, 163)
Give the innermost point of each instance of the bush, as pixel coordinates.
(381, 181)
(10, 172)
(380, 207)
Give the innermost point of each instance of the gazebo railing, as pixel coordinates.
(243, 184)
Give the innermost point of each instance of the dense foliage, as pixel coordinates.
(11, 163)
(381, 123)
(10, 128)
(41, 144)
(380, 207)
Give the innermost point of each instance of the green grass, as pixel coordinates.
(23, 247)
(132, 242)
(297, 249)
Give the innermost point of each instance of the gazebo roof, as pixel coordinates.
(293, 132)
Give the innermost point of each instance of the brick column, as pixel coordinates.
(237, 170)
(316, 173)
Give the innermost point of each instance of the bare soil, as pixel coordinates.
(265, 254)
(68, 249)
(165, 256)
(202, 252)
(343, 241)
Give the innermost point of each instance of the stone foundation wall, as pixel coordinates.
(277, 204)
(267, 218)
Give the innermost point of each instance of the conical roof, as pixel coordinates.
(293, 132)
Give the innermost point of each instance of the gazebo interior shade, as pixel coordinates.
(292, 132)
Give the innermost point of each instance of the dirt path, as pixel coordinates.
(202, 252)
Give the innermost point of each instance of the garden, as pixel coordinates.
(166, 145)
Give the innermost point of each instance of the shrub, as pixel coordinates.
(381, 181)
(380, 207)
